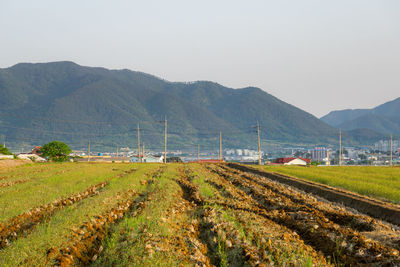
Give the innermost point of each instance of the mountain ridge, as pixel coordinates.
(50, 98)
(384, 118)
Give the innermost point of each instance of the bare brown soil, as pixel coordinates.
(336, 232)
(379, 209)
(11, 229)
(86, 243)
(221, 234)
(7, 184)
(11, 163)
(183, 219)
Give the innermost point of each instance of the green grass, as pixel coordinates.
(59, 181)
(31, 250)
(372, 181)
(126, 245)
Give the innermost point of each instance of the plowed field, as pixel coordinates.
(179, 215)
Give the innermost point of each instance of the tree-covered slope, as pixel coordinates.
(384, 118)
(65, 101)
(383, 124)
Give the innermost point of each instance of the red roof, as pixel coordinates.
(286, 160)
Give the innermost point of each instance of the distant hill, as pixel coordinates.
(379, 123)
(73, 103)
(384, 118)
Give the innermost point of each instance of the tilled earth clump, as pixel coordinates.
(250, 238)
(15, 226)
(7, 184)
(85, 245)
(337, 233)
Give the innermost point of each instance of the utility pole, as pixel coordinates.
(340, 147)
(165, 140)
(259, 143)
(220, 146)
(89, 151)
(143, 150)
(372, 158)
(116, 155)
(391, 151)
(198, 152)
(138, 141)
(328, 162)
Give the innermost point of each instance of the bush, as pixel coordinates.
(56, 151)
(4, 150)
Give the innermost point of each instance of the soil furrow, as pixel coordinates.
(7, 184)
(216, 235)
(23, 223)
(344, 245)
(344, 218)
(372, 207)
(247, 211)
(85, 246)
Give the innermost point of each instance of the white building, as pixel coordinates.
(32, 157)
(297, 161)
(148, 159)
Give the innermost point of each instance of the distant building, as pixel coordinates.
(384, 145)
(36, 151)
(153, 159)
(147, 159)
(293, 161)
(31, 156)
(318, 153)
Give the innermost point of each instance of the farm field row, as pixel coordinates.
(178, 215)
(373, 181)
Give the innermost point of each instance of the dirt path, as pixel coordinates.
(333, 231)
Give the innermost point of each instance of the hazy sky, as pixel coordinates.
(317, 55)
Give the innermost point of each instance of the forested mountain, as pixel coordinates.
(384, 118)
(73, 103)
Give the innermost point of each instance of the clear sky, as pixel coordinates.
(317, 55)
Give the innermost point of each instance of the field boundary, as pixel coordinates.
(372, 207)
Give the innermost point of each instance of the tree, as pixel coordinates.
(4, 150)
(56, 151)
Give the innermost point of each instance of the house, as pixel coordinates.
(293, 161)
(153, 159)
(32, 157)
(36, 151)
(148, 159)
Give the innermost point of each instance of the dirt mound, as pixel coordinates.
(11, 163)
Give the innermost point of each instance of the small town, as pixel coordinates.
(380, 154)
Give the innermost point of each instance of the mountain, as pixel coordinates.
(65, 101)
(337, 117)
(379, 123)
(384, 118)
